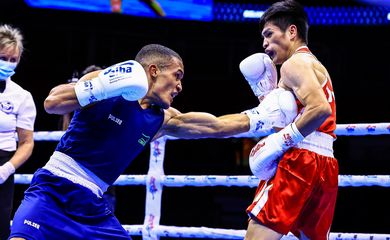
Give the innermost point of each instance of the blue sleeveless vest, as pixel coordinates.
(105, 138)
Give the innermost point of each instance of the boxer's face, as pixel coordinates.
(276, 43)
(167, 84)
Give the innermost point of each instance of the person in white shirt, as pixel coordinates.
(17, 117)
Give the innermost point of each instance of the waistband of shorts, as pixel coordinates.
(64, 166)
(318, 142)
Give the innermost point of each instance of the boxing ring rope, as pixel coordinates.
(156, 179)
(227, 181)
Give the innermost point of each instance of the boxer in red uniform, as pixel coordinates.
(301, 196)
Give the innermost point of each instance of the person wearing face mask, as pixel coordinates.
(17, 117)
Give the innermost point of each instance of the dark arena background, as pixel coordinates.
(350, 38)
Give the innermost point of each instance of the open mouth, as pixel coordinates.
(173, 95)
(271, 54)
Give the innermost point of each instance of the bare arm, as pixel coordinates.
(195, 125)
(299, 75)
(62, 98)
(25, 147)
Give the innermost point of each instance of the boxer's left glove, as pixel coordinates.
(126, 78)
(260, 72)
(5, 171)
(278, 109)
(265, 155)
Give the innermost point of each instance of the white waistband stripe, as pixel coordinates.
(318, 142)
(64, 166)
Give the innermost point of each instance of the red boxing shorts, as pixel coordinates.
(301, 197)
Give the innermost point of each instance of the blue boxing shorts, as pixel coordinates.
(56, 208)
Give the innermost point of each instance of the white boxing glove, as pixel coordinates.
(260, 72)
(278, 109)
(126, 78)
(5, 171)
(265, 155)
(288, 106)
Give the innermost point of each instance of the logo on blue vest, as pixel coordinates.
(144, 139)
(115, 119)
(31, 223)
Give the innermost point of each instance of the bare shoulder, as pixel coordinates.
(170, 113)
(299, 61)
(296, 70)
(169, 121)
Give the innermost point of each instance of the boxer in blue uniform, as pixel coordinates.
(117, 111)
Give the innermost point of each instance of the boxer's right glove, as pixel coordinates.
(126, 78)
(264, 157)
(260, 72)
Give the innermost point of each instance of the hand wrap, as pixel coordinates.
(5, 171)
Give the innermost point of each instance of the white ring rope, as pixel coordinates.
(362, 129)
(155, 180)
(227, 181)
(204, 232)
(358, 129)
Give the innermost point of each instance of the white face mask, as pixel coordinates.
(6, 69)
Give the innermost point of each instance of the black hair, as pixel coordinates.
(156, 54)
(285, 13)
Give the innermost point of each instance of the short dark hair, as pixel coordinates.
(91, 68)
(283, 14)
(156, 54)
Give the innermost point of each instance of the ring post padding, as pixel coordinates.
(154, 189)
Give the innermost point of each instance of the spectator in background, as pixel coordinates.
(17, 117)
